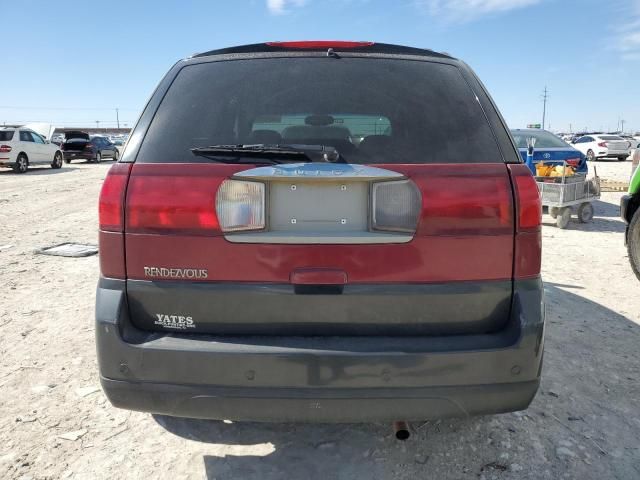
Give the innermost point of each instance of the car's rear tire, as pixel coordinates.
(67, 160)
(57, 161)
(633, 243)
(585, 212)
(553, 211)
(22, 164)
(590, 155)
(564, 217)
(98, 158)
(116, 155)
(623, 158)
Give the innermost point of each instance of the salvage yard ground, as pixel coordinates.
(56, 423)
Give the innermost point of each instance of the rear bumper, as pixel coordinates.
(341, 379)
(320, 405)
(79, 155)
(612, 154)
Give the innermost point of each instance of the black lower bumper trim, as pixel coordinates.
(319, 405)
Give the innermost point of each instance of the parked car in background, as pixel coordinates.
(600, 146)
(21, 148)
(80, 146)
(548, 148)
(262, 266)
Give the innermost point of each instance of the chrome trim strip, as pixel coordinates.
(319, 171)
(324, 238)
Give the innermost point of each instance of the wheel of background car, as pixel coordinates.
(590, 155)
(98, 157)
(67, 160)
(57, 160)
(22, 164)
(553, 211)
(633, 243)
(116, 154)
(622, 159)
(564, 216)
(585, 212)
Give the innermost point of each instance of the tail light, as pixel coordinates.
(163, 199)
(315, 44)
(111, 204)
(573, 162)
(602, 144)
(5, 148)
(240, 205)
(88, 146)
(395, 206)
(528, 232)
(478, 201)
(111, 212)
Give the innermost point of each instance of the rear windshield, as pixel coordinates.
(610, 137)
(370, 110)
(543, 139)
(6, 135)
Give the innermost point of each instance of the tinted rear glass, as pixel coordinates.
(371, 110)
(6, 135)
(610, 137)
(543, 139)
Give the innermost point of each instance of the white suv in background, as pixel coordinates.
(21, 148)
(599, 146)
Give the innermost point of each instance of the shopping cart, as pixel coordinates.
(560, 194)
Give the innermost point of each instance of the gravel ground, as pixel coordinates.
(56, 423)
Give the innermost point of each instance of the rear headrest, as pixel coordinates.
(269, 137)
(301, 132)
(375, 143)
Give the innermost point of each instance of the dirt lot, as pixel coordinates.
(56, 423)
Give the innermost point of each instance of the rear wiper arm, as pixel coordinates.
(271, 153)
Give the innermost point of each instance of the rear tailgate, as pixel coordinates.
(320, 265)
(75, 141)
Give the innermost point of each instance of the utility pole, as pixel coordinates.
(97, 123)
(545, 96)
(117, 118)
(621, 126)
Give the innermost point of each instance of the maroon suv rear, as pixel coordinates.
(320, 231)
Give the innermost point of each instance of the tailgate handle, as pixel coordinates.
(318, 276)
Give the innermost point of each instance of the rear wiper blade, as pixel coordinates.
(274, 153)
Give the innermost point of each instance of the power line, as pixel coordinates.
(10, 107)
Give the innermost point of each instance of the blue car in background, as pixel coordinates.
(548, 148)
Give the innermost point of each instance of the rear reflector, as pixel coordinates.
(5, 148)
(528, 241)
(316, 44)
(240, 205)
(396, 206)
(528, 203)
(111, 202)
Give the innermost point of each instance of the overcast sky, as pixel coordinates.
(71, 63)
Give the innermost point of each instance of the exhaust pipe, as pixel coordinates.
(401, 430)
